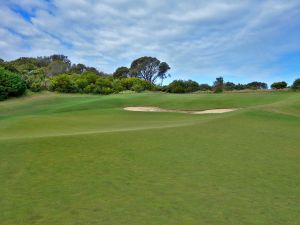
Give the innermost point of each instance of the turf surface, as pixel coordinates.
(82, 159)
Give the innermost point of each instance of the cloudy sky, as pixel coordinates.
(242, 40)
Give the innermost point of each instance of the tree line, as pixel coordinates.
(57, 73)
(181, 86)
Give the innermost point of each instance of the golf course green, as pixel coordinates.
(71, 159)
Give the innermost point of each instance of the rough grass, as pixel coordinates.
(82, 159)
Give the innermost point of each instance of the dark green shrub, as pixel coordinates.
(256, 85)
(240, 87)
(3, 93)
(229, 86)
(218, 85)
(36, 86)
(127, 83)
(81, 84)
(296, 84)
(177, 86)
(137, 88)
(103, 90)
(117, 86)
(90, 77)
(279, 85)
(191, 86)
(11, 84)
(181, 86)
(142, 85)
(205, 87)
(90, 88)
(121, 72)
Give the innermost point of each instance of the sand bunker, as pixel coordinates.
(156, 109)
(214, 111)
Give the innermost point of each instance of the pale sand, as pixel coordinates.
(157, 109)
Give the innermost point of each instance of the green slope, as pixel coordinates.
(81, 159)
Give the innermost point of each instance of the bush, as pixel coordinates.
(177, 86)
(64, 83)
(205, 87)
(296, 84)
(240, 86)
(11, 84)
(82, 83)
(89, 88)
(89, 82)
(218, 85)
(257, 85)
(36, 86)
(3, 93)
(191, 86)
(103, 86)
(103, 90)
(35, 82)
(90, 77)
(279, 85)
(181, 86)
(137, 88)
(117, 86)
(135, 84)
(229, 86)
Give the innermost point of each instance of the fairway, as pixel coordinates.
(82, 159)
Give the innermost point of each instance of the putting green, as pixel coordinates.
(83, 159)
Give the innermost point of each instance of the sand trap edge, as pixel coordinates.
(157, 109)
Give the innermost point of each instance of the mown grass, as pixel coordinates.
(82, 159)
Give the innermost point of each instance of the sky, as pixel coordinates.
(241, 40)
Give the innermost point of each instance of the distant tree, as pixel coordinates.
(257, 85)
(181, 86)
(61, 58)
(296, 84)
(149, 69)
(21, 65)
(56, 67)
(191, 86)
(43, 61)
(121, 72)
(176, 86)
(9, 66)
(2, 63)
(279, 85)
(78, 68)
(24, 60)
(163, 69)
(229, 86)
(205, 87)
(218, 85)
(240, 86)
(94, 70)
